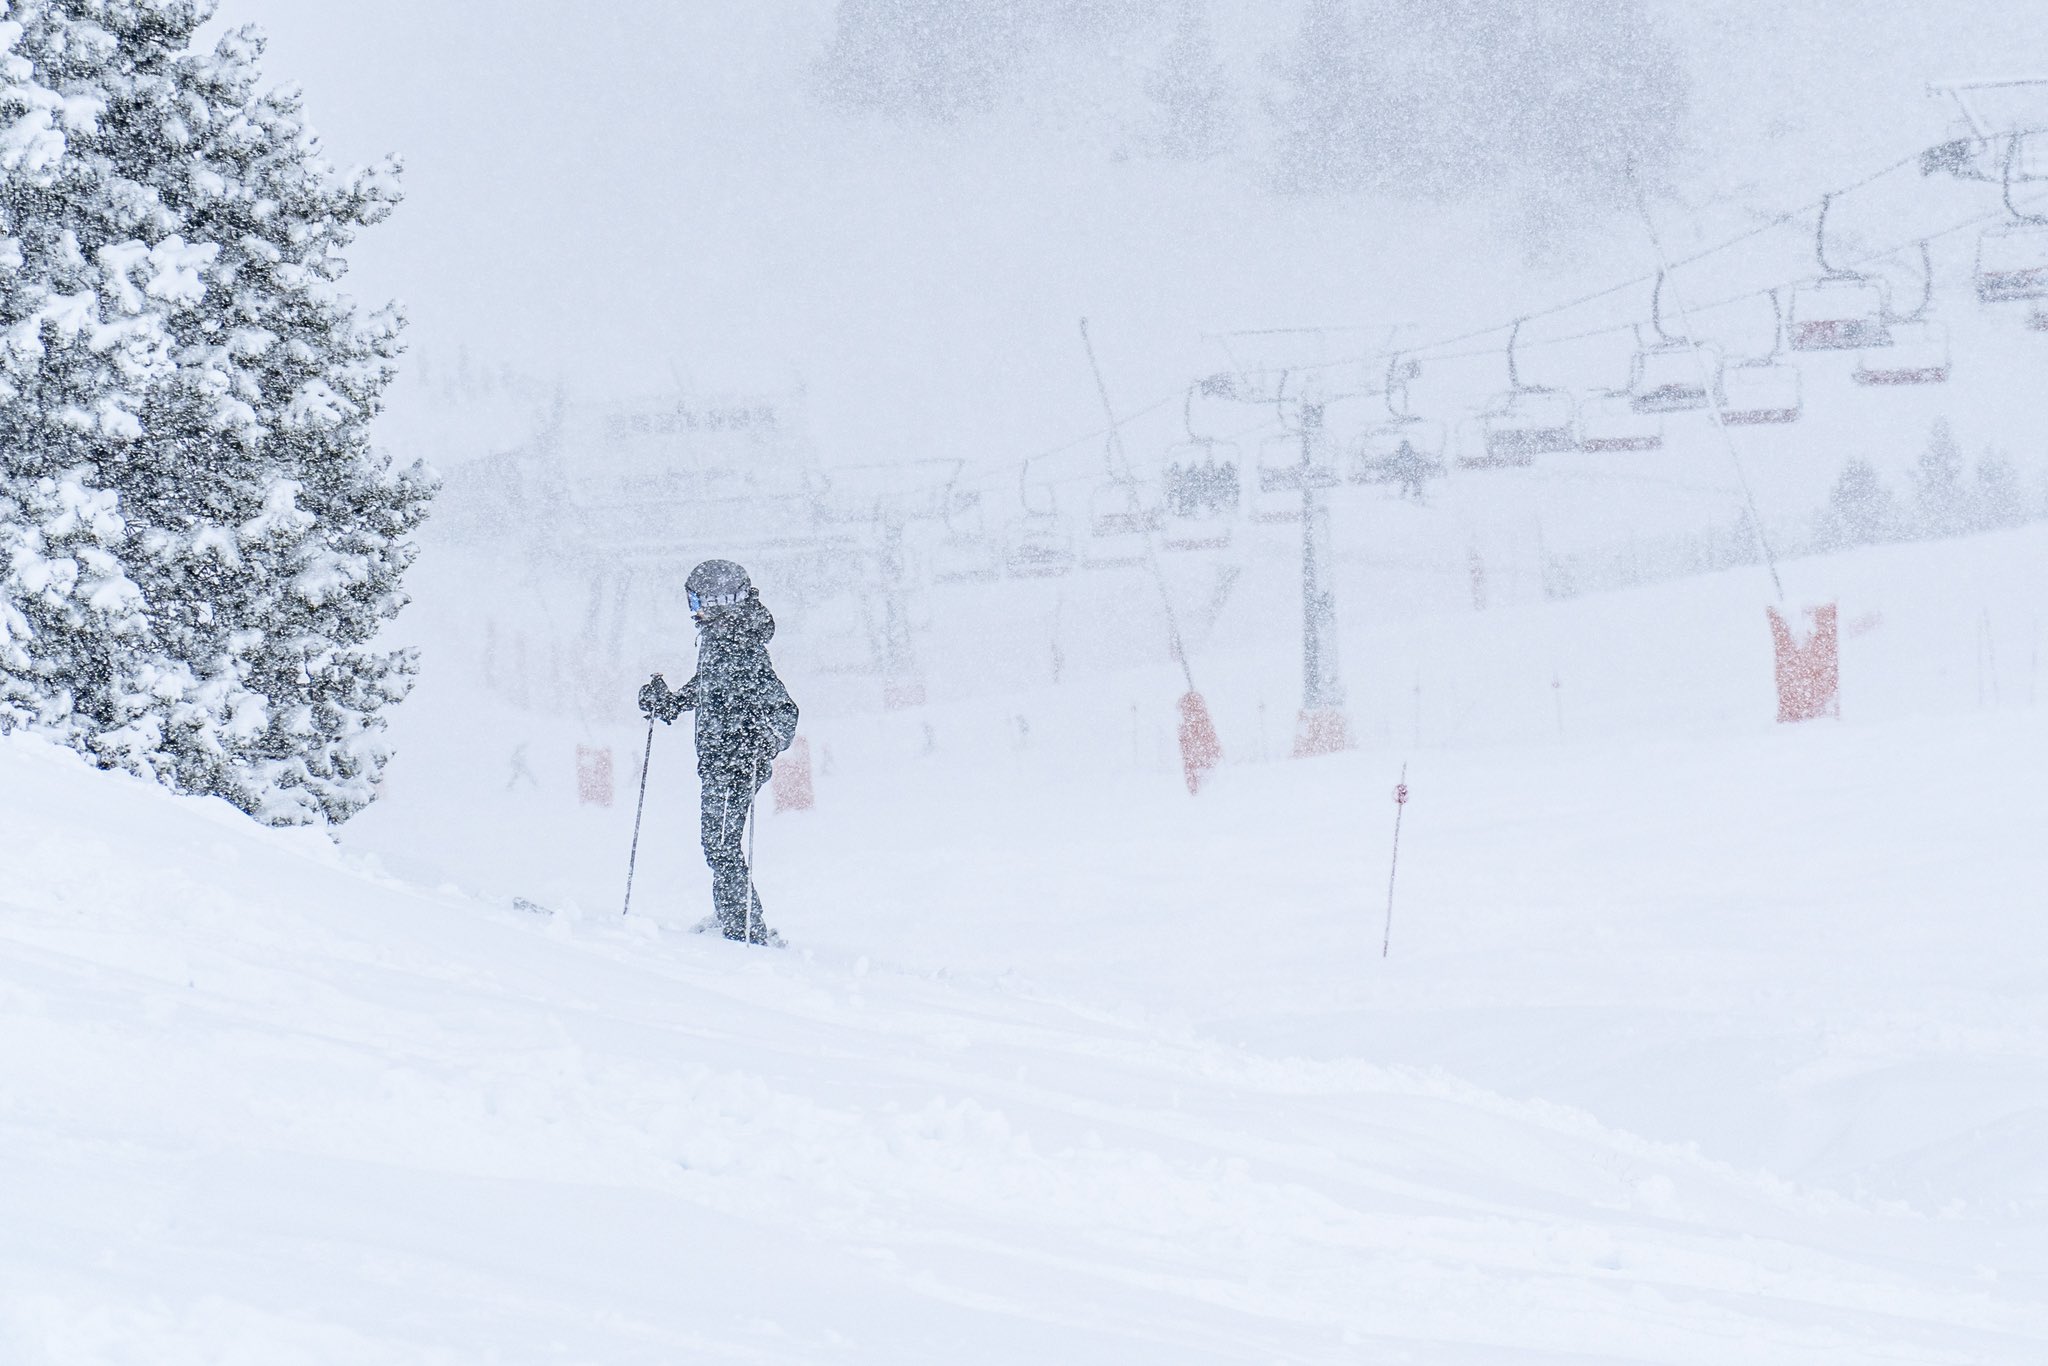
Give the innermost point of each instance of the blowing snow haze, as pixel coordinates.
(1116, 682)
(904, 204)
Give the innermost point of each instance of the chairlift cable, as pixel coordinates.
(1728, 300)
(1430, 350)
(1179, 647)
(1714, 402)
(1433, 350)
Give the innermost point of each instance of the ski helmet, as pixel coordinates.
(717, 583)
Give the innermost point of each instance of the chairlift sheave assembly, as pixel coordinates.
(1291, 461)
(1302, 459)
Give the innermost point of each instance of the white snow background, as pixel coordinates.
(1701, 1040)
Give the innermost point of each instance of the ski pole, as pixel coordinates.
(753, 824)
(638, 807)
(1400, 802)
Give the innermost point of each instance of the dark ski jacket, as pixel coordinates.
(744, 714)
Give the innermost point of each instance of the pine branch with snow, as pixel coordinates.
(200, 540)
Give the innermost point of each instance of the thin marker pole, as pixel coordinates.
(1400, 802)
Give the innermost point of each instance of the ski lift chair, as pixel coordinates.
(1918, 354)
(1675, 375)
(1276, 493)
(1202, 496)
(1221, 409)
(2012, 263)
(1845, 313)
(959, 559)
(964, 551)
(1757, 392)
(1918, 351)
(1407, 451)
(1762, 390)
(1120, 525)
(1404, 449)
(1615, 420)
(2012, 258)
(1524, 424)
(1297, 461)
(1040, 545)
(1040, 548)
(1840, 311)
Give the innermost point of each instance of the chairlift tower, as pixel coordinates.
(1321, 728)
(888, 498)
(902, 684)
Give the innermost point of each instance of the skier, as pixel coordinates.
(744, 719)
(521, 769)
(1409, 469)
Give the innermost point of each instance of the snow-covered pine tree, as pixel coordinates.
(1554, 106)
(199, 540)
(1941, 497)
(1860, 510)
(2001, 499)
(918, 60)
(1322, 111)
(1189, 93)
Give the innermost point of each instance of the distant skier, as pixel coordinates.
(1410, 470)
(744, 719)
(521, 769)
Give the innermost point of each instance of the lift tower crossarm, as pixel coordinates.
(1960, 91)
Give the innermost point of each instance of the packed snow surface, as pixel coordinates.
(1700, 1043)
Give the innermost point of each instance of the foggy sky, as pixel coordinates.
(620, 194)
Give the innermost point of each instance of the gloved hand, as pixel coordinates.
(764, 744)
(654, 700)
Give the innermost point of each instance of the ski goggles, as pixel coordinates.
(698, 603)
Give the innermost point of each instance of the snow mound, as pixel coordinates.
(264, 1103)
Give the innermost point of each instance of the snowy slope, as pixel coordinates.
(1703, 1043)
